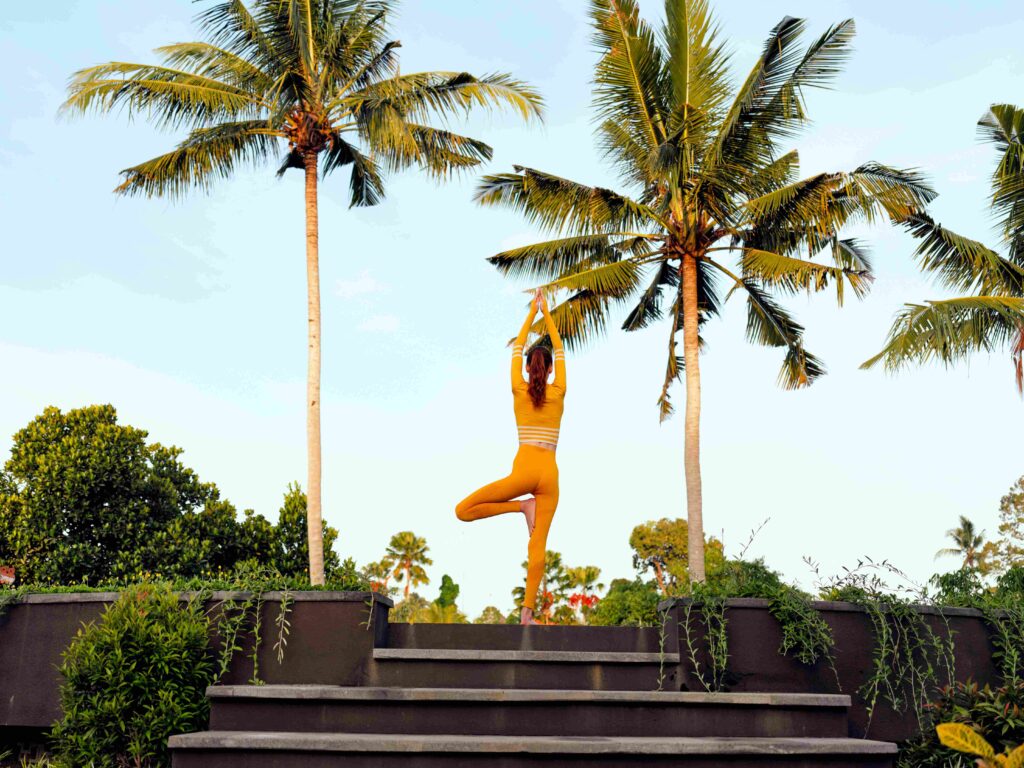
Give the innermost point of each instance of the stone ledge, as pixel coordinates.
(377, 742)
(826, 605)
(339, 693)
(312, 596)
(564, 657)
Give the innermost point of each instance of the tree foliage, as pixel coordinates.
(491, 615)
(282, 80)
(407, 554)
(291, 539)
(552, 592)
(662, 546)
(86, 500)
(628, 603)
(968, 543)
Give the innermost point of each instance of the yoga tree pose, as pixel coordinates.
(538, 408)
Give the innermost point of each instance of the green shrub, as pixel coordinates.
(997, 714)
(628, 603)
(133, 679)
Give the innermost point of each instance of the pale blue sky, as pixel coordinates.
(190, 317)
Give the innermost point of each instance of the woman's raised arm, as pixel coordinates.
(517, 348)
(557, 351)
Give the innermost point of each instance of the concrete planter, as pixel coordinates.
(331, 642)
(757, 665)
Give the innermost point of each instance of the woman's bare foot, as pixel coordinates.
(526, 616)
(529, 510)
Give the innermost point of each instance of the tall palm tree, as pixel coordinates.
(408, 554)
(968, 540)
(315, 83)
(992, 316)
(706, 179)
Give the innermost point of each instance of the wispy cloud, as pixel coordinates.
(380, 324)
(364, 285)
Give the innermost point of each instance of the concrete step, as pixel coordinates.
(532, 638)
(253, 749)
(482, 712)
(566, 670)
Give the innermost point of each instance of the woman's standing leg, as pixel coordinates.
(547, 501)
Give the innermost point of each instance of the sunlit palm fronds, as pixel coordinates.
(291, 78)
(950, 330)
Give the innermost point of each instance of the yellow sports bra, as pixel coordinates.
(538, 425)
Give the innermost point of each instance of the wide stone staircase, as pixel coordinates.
(508, 696)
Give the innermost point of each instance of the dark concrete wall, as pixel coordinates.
(756, 664)
(331, 642)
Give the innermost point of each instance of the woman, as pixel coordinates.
(538, 409)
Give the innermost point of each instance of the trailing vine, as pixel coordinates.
(711, 609)
(806, 636)
(241, 619)
(911, 662)
(1007, 625)
(284, 627)
(662, 636)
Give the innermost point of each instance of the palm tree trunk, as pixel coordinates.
(408, 578)
(313, 502)
(691, 450)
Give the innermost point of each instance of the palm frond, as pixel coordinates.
(425, 95)
(950, 330)
(961, 263)
(815, 209)
(580, 319)
(365, 182)
(561, 205)
(170, 97)
(850, 253)
(443, 153)
(208, 60)
(779, 173)
(232, 26)
(550, 259)
(672, 367)
(627, 77)
(792, 275)
(1003, 125)
(769, 325)
(206, 155)
(615, 280)
(696, 62)
(648, 308)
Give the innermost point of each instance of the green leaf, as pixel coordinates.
(950, 330)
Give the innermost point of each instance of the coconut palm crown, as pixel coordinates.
(312, 85)
(968, 541)
(992, 317)
(711, 206)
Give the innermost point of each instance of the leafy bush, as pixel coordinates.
(133, 679)
(628, 603)
(745, 578)
(86, 500)
(997, 714)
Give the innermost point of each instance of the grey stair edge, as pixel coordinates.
(377, 742)
(564, 657)
(524, 695)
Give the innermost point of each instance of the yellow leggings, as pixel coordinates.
(533, 472)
